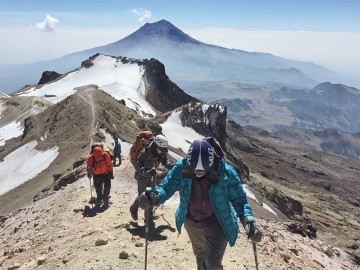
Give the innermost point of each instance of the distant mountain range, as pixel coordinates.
(188, 62)
(259, 89)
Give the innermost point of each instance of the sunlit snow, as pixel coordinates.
(11, 130)
(23, 164)
(122, 81)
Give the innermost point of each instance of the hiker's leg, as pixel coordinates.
(119, 160)
(197, 238)
(215, 246)
(142, 184)
(98, 186)
(107, 188)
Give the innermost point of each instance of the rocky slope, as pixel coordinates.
(63, 231)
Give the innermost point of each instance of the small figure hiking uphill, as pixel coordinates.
(100, 167)
(153, 154)
(210, 190)
(117, 151)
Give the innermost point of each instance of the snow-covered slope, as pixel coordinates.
(121, 80)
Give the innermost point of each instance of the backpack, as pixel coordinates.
(104, 147)
(94, 145)
(141, 138)
(99, 162)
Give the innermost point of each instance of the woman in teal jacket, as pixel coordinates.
(210, 190)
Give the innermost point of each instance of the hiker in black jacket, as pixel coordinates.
(153, 154)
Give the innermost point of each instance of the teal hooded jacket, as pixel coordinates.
(225, 195)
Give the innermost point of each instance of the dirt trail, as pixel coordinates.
(86, 94)
(62, 231)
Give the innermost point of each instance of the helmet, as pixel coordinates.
(200, 156)
(161, 141)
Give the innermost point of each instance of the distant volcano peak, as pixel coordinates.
(162, 29)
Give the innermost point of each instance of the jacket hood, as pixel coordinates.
(98, 151)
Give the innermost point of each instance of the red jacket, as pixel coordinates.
(99, 162)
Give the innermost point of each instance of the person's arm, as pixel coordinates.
(171, 183)
(89, 165)
(108, 162)
(164, 190)
(165, 162)
(238, 199)
(141, 165)
(237, 194)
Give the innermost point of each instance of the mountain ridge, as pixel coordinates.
(196, 55)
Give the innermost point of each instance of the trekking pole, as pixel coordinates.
(147, 217)
(91, 200)
(126, 166)
(147, 227)
(255, 255)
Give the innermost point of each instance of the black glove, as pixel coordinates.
(111, 174)
(151, 172)
(148, 198)
(253, 231)
(89, 175)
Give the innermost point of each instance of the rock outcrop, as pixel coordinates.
(48, 76)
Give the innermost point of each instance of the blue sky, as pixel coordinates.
(326, 32)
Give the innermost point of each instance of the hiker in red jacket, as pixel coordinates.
(99, 166)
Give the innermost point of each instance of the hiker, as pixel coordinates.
(210, 190)
(117, 151)
(99, 166)
(153, 154)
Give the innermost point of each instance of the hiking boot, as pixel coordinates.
(98, 202)
(134, 214)
(92, 200)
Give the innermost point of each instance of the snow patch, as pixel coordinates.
(24, 164)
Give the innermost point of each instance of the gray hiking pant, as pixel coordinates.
(143, 183)
(208, 242)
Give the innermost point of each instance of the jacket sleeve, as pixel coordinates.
(165, 162)
(89, 164)
(140, 163)
(237, 194)
(171, 183)
(109, 164)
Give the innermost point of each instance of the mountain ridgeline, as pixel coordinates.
(189, 62)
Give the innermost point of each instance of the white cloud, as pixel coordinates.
(143, 14)
(48, 24)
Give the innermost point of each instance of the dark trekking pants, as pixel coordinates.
(102, 183)
(208, 242)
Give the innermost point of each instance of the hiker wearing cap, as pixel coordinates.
(211, 199)
(99, 166)
(153, 154)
